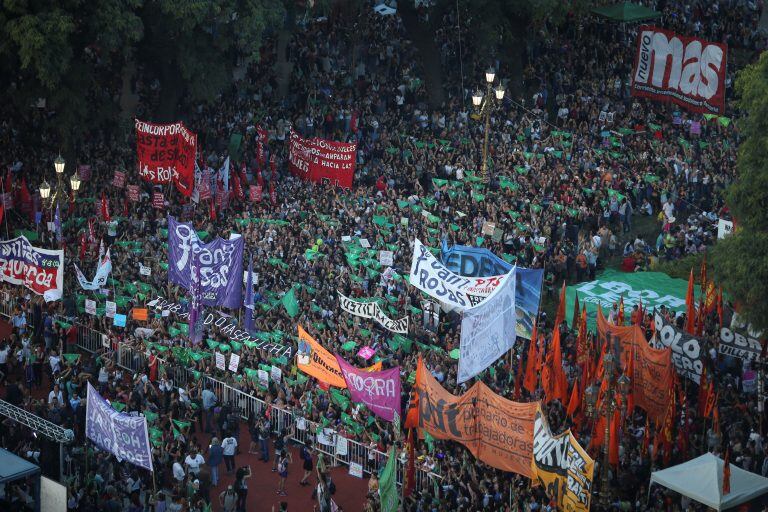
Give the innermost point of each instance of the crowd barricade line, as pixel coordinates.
(132, 360)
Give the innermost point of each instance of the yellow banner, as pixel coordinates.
(562, 466)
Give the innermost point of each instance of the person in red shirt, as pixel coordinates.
(381, 185)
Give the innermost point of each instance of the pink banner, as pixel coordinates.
(379, 391)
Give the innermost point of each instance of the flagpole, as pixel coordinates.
(5, 214)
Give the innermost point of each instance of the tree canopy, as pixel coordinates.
(71, 52)
(740, 261)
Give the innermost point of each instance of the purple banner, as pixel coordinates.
(221, 264)
(379, 391)
(123, 435)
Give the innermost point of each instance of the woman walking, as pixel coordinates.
(282, 470)
(306, 455)
(241, 486)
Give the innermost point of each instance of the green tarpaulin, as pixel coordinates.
(655, 289)
(626, 12)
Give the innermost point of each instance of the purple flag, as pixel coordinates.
(57, 223)
(249, 305)
(221, 264)
(196, 305)
(121, 434)
(379, 391)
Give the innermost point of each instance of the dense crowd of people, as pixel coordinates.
(582, 175)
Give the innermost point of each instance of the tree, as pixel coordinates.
(739, 262)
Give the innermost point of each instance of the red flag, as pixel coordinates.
(409, 478)
(690, 308)
(727, 472)
(703, 275)
(260, 179)
(711, 404)
(530, 382)
(704, 385)
(8, 187)
(2, 212)
(211, 210)
(272, 193)
(104, 208)
(83, 246)
(560, 316)
(576, 313)
(559, 382)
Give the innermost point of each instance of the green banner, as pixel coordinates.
(654, 289)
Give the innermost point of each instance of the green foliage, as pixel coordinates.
(681, 268)
(739, 261)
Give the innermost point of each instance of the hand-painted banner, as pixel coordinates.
(39, 270)
(495, 430)
(687, 351)
(687, 71)
(433, 278)
(321, 160)
(123, 435)
(166, 153)
(221, 264)
(225, 326)
(488, 330)
(652, 367)
(379, 391)
(480, 262)
(562, 467)
(373, 310)
(739, 345)
(118, 180)
(102, 274)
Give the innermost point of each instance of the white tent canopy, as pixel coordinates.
(701, 479)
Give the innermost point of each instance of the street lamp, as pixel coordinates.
(51, 195)
(607, 408)
(484, 104)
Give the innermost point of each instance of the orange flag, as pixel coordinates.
(560, 316)
(613, 447)
(621, 311)
(575, 401)
(720, 306)
(530, 382)
(560, 384)
(690, 308)
(576, 313)
(727, 473)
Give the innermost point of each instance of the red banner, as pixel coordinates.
(166, 153)
(133, 193)
(321, 160)
(119, 179)
(687, 71)
(158, 201)
(255, 193)
(261, 140)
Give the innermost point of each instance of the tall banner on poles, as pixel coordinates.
(221, 264)
(165, 153)
(123, 435)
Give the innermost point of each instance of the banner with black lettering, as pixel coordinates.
(739, 345)
(687, 71)
(687, 351)
(39, 270)
(561, 466)
(165, 153)
(373, 310)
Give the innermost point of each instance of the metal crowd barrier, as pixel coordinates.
(338, 449)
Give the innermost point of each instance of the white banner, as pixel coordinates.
(429, 275)
(373, 310)
(234, 362)
(488, 331)
(102, 273)
(724, 228)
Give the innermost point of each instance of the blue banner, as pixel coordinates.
(479, 262)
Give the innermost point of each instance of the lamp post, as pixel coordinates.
(484, 103)
(607, 408)
(51, 196)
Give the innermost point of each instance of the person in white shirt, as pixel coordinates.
(193, 461)
(55, 362)
(56, 393)
(178, 471)
(228, 447)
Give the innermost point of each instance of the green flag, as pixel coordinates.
(388, 484)
(290, 303)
